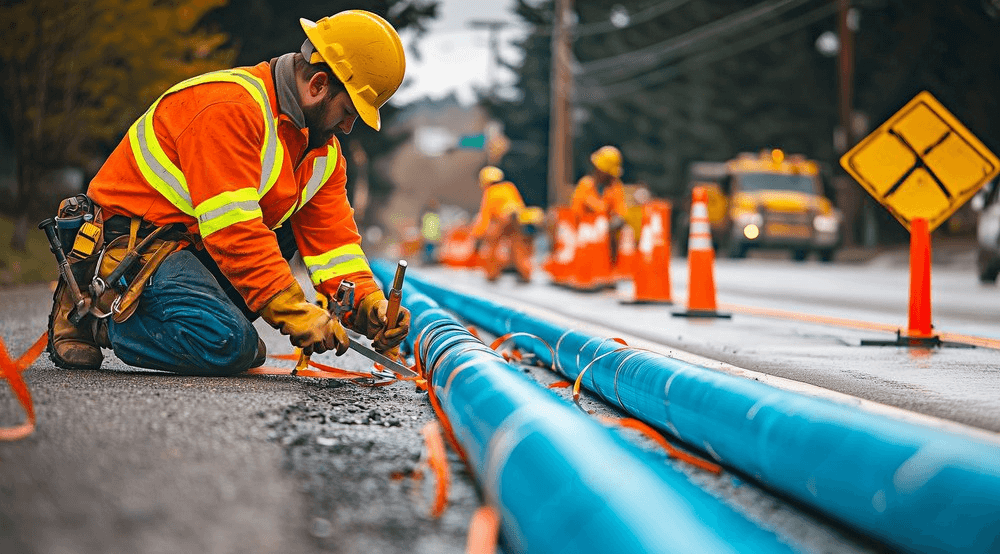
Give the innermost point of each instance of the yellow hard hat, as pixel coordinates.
(365, 53)
(489, 175)
(608, 159)
(531, 215)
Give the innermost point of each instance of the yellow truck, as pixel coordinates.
(769, 201)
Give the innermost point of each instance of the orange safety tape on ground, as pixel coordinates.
(484, 529)
(984, 342)
(11, 371)
(672, 451)
(437, 461)
(560, 385)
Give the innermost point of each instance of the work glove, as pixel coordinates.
(307, 325)
(370, 321)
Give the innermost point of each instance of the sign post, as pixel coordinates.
(922, 164)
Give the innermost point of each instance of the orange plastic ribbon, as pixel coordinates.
(437, 461)
(484, 528)
(11, 371)
(672, 451)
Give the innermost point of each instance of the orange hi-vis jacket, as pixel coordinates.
(499, 201)
(218, 154)
(587, 200)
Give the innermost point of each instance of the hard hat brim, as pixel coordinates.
(368, 113)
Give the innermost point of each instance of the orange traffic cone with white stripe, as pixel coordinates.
(651, 275)
(592, 263)
(701, 261)
(559, 265)
(625, 255)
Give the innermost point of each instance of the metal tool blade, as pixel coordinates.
(374, 356)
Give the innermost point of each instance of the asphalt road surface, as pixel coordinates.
(125, 460)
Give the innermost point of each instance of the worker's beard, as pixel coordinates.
(318, 135)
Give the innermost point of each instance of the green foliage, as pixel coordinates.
(77, 73)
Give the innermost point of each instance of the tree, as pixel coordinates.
(77, 73)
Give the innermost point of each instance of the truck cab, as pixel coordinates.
(769, 201)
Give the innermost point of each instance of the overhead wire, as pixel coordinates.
(653, 55)
(599, 27)
(599, 93)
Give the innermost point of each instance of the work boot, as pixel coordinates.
(261, 354)
(71, 347)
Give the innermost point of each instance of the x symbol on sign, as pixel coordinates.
(919, 163)
(11, 371)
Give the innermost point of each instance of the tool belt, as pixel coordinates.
(112, 260)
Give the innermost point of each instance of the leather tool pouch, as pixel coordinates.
(121, 298)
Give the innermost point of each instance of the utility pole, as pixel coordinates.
(846, 64)
(560, 139)
(493, 26)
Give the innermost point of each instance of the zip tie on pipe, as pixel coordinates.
(11, 371)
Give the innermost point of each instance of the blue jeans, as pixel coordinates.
(185, 324)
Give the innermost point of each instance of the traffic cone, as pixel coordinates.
(559, 264)
(592, 262)
(651, 277)
(701, 261)
(625, 264)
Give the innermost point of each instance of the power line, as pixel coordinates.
(641, 16)
(597, 94)
(655, 54)
(599, 27)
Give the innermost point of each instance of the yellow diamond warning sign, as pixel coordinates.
(922, 162)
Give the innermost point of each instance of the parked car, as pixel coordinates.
(987, 204)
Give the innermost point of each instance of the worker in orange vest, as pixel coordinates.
(498, 227)
(223, 179)
(601, 192)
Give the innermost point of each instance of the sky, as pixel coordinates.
(455, 57)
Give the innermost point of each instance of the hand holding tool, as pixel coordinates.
(343, 302)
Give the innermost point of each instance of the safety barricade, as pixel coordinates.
(915, 487)
(559, 480)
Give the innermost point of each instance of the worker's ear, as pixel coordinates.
(318, 86)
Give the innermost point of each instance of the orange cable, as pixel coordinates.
(672, 451)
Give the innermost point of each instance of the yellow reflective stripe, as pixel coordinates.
(323, 167)
(336, 263)
(227, 208)
(166, 178)
(154, 165)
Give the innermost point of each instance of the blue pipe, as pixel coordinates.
(561, 481)
(917, 488)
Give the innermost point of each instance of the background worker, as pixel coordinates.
(499, 229)
(246, 162)
(430, 231)
(601, 192)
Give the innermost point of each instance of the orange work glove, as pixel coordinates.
(308, 326)
(370, 322)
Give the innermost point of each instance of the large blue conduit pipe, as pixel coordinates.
(561, 481)
(917, 488)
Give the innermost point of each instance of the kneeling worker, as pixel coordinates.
(214, 189)
(499, 228)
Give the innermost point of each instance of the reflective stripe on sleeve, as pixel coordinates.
(227, 208)
(336, 263)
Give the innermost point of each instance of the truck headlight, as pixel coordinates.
(826, 223)
(743, 219)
